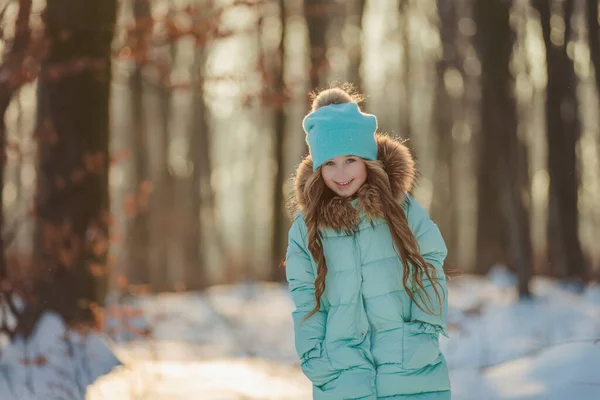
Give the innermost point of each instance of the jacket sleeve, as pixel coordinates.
(433, 249)
(309, 334)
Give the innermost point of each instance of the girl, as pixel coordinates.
(364, 263)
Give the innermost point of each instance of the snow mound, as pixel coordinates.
(592, 294)
(54, 363)
(567, 371)
(500, 276)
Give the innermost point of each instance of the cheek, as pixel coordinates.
(327, 176)
(360, 172)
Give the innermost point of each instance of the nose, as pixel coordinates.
(340, 172)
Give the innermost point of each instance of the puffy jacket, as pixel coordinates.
(368, 340)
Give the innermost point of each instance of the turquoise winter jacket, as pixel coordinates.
(368, 340)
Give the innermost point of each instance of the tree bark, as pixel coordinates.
(563, 131)
(73, 131)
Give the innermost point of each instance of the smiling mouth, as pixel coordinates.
(343, 185)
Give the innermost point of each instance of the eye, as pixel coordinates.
(330, 163)
(350, 160)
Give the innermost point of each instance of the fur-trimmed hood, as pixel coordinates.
(343, 213)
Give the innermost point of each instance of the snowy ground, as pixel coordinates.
(237, 343)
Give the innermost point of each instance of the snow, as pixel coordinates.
(236, 342)
(53, 363)
(222, 379)
(567, 371)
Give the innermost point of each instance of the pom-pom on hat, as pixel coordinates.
(338, 130)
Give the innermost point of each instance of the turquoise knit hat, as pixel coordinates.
(339, 130)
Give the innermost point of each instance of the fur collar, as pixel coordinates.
(344, 213)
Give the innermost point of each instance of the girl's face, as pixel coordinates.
(344, 174)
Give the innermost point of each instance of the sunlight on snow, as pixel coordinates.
(217, 380)
(520, 388)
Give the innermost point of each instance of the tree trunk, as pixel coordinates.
(594, 41)
(507, 223)
(163, 212)
(5, 289)
(356, 51)
(317, 20)
(139, 235)
(492, 246)
(72, 191)
(594, 38)
(448, 111)
(201, 190)
(404, 8)
(278, 240)
(563, 131)
(163, 209)
(11, 65)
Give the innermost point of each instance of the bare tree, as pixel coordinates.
(316, 13)
(163, 208)
(202, 194)
(139, 229)
(563, 131)
(492, 234)
(195, 271)
(404, 10)
(12, 66)
(72, 193)
(591, 13)
(507, 223)
(449, 112)
(279, 217)
(356, 51)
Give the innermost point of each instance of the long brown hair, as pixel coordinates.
(316, 193)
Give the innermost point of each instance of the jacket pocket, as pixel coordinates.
(420, 348)
(354, 383)
(317, 366)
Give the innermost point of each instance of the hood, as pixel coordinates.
(343, 213)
